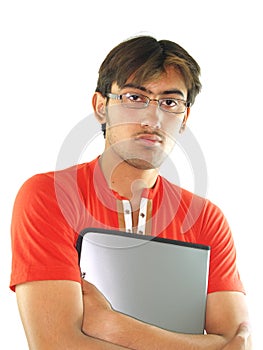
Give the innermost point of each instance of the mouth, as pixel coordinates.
(149, 139)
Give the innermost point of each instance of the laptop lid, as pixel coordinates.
(158, 281)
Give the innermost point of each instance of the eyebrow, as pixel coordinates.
(142, 88)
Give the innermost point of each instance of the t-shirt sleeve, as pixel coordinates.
(223, 274)
(43, 241)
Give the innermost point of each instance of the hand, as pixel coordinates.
(97, 310)
(93, 298)
(241, 340)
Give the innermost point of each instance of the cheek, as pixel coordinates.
(117, 132)
(119, 116)
(171, 127)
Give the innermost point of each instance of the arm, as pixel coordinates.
(225, 312)
(51, 312)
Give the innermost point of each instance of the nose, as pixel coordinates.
(151, 116)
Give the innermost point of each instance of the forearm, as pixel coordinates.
(133, 334)
(82, 341)
(102, 322)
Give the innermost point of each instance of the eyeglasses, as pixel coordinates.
(139, 101)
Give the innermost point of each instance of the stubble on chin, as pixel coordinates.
(144, 164)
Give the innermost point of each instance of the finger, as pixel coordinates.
(89, 288)
(243, 330)
(86, 286)
(241, 339)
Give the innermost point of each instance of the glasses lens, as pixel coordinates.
(172, 105)
(132, 100)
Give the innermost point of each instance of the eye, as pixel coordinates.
(169, 102)
(135, 97)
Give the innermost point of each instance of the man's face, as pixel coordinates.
(144, 137)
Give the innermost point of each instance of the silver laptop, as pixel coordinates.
(158, 281)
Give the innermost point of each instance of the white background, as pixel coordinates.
(50, 55)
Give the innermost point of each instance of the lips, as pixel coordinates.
(149, 139)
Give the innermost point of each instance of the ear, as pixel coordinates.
(99, 107)
(183, 125)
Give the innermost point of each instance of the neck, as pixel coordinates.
(126, 179)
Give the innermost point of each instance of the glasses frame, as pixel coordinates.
(148, 100)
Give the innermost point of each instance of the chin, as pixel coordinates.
(142, 164)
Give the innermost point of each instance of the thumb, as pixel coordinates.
(241, 340)
(244, 330)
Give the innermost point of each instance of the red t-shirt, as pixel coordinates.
(51, 210)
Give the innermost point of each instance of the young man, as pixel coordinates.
(143, 98)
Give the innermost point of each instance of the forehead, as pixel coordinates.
(169, 80)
